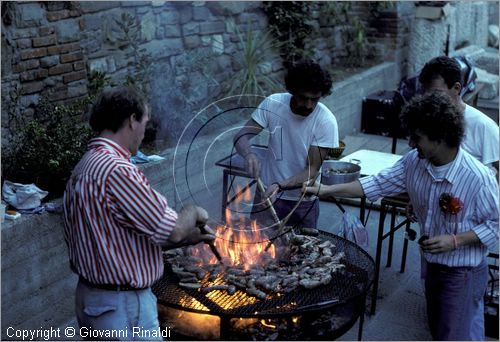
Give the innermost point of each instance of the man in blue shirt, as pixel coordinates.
(455, 198)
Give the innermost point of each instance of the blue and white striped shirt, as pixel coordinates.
(467, 179)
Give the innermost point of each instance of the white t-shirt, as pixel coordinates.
(290, 137)
(481, 136)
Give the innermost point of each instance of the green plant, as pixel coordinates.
(128, 34)
(375, 7)
(254, 48)
(355, 42)
(46, 147)
(353, 31)
(97, 81)
(335, 12)
(290, 23)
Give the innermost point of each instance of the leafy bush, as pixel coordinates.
(290, 22)
(45, 148)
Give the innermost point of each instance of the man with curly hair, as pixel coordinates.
(301, 130)
(456, 202)
(481, 132)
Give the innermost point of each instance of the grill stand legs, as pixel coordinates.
(361, 318)
(225, 328)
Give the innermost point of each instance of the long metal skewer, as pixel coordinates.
(211, 244)
(268, 201)
(281, 223)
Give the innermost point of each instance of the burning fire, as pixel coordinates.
(237, 242)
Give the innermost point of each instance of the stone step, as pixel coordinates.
(490, 84)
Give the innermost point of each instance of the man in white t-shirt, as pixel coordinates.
(481, 132)
(301, 130)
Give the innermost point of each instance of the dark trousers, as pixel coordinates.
(306, 215)
(455, 301)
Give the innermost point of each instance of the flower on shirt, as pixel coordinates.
(450, 204)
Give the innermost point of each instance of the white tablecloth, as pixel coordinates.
(371, 162)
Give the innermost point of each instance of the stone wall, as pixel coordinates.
(52, 49)
(466, 24)
(37, 284)
(181, 52)
(493, 12)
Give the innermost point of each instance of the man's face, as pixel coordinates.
(138, 130)
(427, 149)
(304, 102)
(440, 85)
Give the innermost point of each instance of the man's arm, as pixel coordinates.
(315, 157)
(352, 189)
(448, 242)
(136, 205)
(243, 147)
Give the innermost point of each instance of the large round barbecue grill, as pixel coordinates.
(344, 298)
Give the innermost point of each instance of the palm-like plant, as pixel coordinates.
(255, 48)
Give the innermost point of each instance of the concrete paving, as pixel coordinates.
(400, 314)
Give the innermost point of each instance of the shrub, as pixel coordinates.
(45, 148)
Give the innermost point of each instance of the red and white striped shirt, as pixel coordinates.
(114, 221)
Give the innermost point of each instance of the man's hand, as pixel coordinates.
(410, 214)
(312, 190)
(271, 191)
(187, 229)
(438, 244)
(252, 165)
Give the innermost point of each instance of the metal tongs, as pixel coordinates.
(281, 223)
(211, 244)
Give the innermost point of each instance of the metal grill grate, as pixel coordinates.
(346, 285)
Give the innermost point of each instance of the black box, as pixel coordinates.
(380, 114)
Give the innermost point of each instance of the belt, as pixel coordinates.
(111, 287)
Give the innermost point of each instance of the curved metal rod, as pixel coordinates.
(281, 226)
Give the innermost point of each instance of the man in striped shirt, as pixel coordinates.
(116, 225)
(460, 229)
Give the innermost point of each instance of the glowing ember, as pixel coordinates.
(188, 301)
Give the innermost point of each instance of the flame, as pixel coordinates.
(239, 243)
(247, 194)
